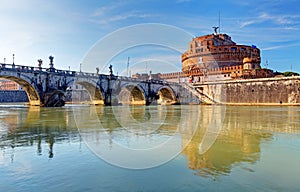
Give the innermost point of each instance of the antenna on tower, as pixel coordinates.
(267, 63)
(219, 22)
(127, 66)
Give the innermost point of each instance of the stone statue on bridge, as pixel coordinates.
(51, 64)
(51, 61)
(40, 63)
(110, 70)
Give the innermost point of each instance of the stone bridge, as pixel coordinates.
(47, 87)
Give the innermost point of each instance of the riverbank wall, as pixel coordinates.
(264, 91)
(12, 96)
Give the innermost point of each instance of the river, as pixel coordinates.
(149, 148)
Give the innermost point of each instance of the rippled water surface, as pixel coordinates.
(150, 148)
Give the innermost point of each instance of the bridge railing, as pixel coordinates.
(156, 81)
(30, 69)
(22, 68)
(85, 74)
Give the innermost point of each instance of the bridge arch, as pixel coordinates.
(166, 96)
(132, 95)
(55, 98)
(32, 93)
(95, 94)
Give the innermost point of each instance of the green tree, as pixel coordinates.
(290, 73)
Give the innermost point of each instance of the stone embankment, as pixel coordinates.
(265, 91)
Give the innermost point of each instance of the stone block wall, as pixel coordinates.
(10, 96)
(269, 91)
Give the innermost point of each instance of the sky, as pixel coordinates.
(70, 30)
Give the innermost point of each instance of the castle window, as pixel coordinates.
(243, 49)
(233, 48)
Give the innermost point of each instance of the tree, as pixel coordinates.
(290, 73)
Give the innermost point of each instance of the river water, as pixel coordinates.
(150, 148)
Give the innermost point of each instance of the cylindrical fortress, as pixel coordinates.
(217, 53)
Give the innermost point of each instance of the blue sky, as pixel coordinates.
(67, 29)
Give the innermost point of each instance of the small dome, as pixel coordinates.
(247, 60)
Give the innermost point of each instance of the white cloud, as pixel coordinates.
(101, 11)
(183, 1)
(278, 19)
(107, 15)
(120, 17)
(246, 23)
(281, 46)
(292, 28)
(266, 17)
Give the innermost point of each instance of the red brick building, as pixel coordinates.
(8, 85)
(216, 57)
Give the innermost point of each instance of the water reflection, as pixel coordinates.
(243, 131)
(135, 137)
(31, 126)
(238, 140)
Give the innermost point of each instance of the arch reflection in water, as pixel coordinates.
(43, 127)
(145, 128)
(140, 136)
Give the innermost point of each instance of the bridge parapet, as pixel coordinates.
(85, 74)
(30, 69)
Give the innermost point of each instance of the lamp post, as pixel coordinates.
(51, 64)
(13, 65)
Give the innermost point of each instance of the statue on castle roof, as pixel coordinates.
(215, 30)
